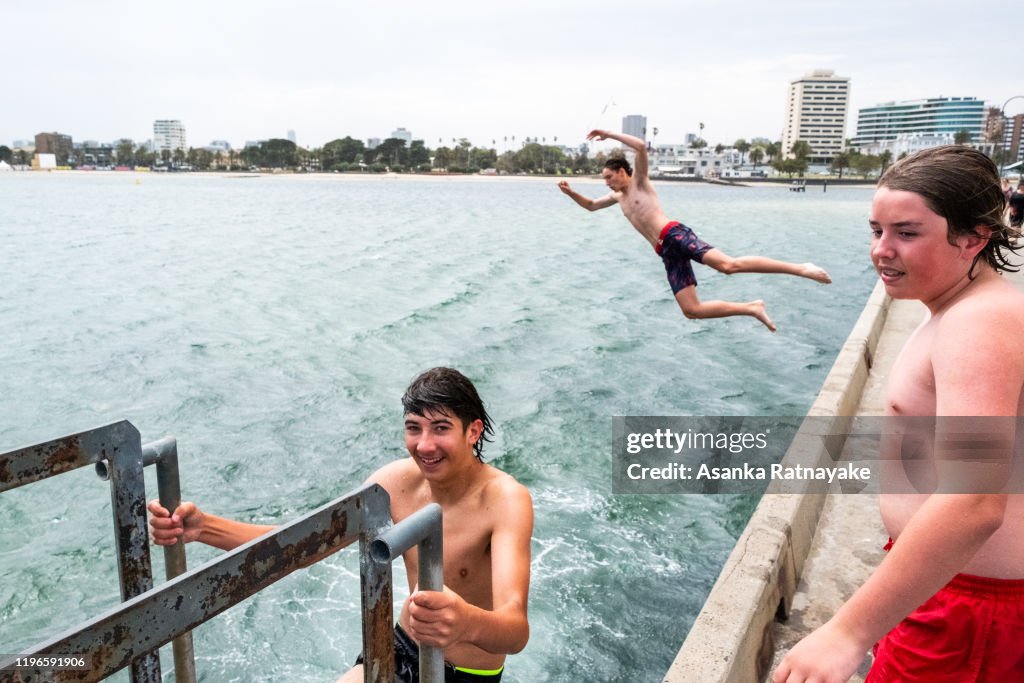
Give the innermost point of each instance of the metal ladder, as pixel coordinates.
(129, 635)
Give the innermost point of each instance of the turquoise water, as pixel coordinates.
(271, 324)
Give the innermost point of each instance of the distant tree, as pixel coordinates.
(530, 158)
(884, 159)
(698, 143)
(773, 150)
(143, 157)
(418, 153)
(841, 161)
(481, 158)
(178, 156)
(392, 152)
(123, 151)
(757, 155)
(742, 146)
(6, 153)
(866, 164)
(278, 153)
(462, 152)
(165, 156)
(341, 151)
(962, 137)
(506, 163)
(719, 148)
(801, 149)
(790, 167)
(443, 158)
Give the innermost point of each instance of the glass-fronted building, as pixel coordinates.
(932, 116)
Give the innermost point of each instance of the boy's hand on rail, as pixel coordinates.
(166, 529)
(828, 655)
(437, 618)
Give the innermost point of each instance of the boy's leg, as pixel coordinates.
(723, 263)
(695, 308)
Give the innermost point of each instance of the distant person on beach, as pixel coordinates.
(480, 617)
(674, 242)
(1017, 206)
(946, 604)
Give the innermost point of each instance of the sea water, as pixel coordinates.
(271, 324)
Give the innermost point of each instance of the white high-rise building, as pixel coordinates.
(816, 113)
(168, 134)
(403, 135)
(635, 125)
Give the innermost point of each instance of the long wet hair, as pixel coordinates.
(962, 185)
(448, 391)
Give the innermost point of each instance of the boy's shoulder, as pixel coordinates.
(508, 499)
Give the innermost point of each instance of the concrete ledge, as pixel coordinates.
(731, 640)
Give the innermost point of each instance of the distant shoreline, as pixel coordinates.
(470, 177)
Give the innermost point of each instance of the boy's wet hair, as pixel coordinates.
(962, 185)
(448, 391)
(617, 163)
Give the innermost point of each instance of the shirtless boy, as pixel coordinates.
(946, 605)
(480, 617)
(674, 242)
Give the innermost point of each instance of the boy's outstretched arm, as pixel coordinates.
(634, 143)
(190, 523)
(586, 202)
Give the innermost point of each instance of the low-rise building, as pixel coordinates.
(907, 143)
(681, 160)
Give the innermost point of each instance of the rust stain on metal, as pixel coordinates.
(268, 561)
(63, 457)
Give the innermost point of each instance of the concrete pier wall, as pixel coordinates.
(732, 640)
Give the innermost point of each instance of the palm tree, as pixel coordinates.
(756, 156)
(885, 158)
(841, 161)
(742, 146)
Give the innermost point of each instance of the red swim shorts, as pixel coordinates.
(971, 631)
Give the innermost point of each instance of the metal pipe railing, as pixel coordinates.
(131, 633)
(115, 638)
(164, 454)
(120, 446)
(422, 529)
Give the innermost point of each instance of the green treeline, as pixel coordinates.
(350, 155)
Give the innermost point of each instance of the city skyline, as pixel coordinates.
(454, 69)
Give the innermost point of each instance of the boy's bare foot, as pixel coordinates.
(757, 310)
(816, 273)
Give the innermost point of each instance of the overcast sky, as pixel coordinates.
(444, 69)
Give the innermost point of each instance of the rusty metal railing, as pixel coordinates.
(422, 529)
(133, 631)
(119, 446)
